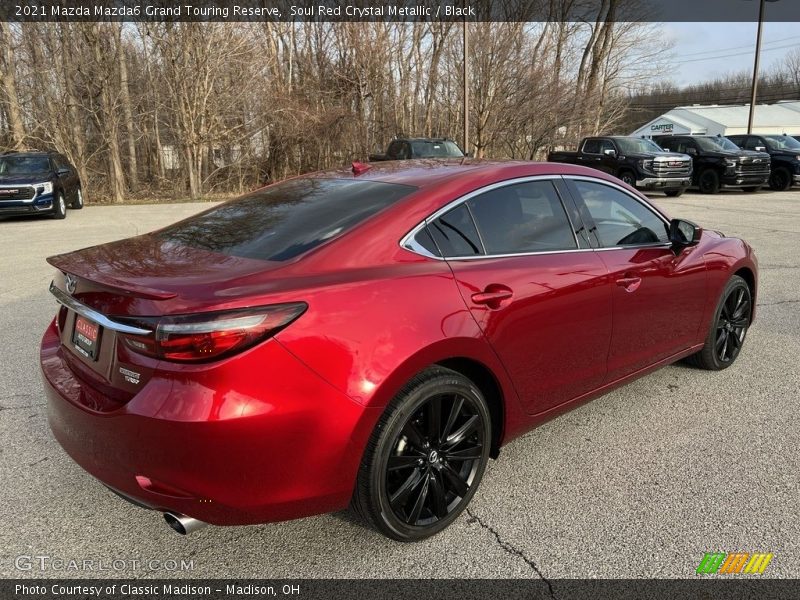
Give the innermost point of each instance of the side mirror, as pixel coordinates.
(63, 171)
(610, 152)
(761, 148)
(691, 151)
(683, 233)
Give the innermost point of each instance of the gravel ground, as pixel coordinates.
(639, 483)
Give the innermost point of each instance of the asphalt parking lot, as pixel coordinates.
(639, 483)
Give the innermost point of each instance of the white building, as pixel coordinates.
(781, 117)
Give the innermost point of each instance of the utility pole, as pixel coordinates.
(754, 89)
(466, 88)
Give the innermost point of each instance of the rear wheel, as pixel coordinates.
(729, 328)
(77, 204)
(674, 193)
(780, 179)
(426, 456)
(709, 181)
(60, 208)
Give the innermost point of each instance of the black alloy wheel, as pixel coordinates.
(726, 337)
(780, 180)
(426, 457)
(628, 177)
(709, 182)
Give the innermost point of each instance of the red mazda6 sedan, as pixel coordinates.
(371, 337)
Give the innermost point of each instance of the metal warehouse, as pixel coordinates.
(782, 117)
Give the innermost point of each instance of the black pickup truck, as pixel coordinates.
(408, 148)
(636, 161)
(719, 163)
(784, 152)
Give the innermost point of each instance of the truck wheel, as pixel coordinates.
(60, 208)
(780, 180)
(674, 193)
(77, 204)
(709, 181)
(752, 188)
(628, 177)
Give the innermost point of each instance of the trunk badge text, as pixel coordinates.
(130, 376)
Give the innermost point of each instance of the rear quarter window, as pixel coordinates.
(285, 220)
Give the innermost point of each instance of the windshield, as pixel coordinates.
(782, 142)
(637, 146)
(439, 149)
(285, 220)
(23, 165)
(715, 144)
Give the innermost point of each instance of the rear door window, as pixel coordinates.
(455, 234)
(285, 220)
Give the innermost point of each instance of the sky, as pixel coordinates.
(704, 51)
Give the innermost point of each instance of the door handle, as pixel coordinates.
(631, 284)
(493, 296)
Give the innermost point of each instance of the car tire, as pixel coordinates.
(60, 208)
(780, 179)
(77, 204)
(728, 328)
(628, 177)
(425, 458)
(751, 189)
(674, 193)
(708, 181)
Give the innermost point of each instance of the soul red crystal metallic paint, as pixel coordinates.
(278, 430)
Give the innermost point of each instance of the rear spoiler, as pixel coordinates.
(65, 265)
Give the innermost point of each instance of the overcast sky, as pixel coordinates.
(707, 50)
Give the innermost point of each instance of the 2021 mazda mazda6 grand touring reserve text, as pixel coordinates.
(371, 337)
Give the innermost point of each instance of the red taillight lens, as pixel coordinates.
(209, 336)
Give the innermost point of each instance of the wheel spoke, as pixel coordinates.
(419, 503)
(736, 343)
(403, 462)
(433, 414)
(414, 436)
(742, 311)
(721, 339)
(463, 432)
(439, 495)
(468, 453)
(740, 323)
(724, 352)
(399, 498)
(455, 410)
(454, 481)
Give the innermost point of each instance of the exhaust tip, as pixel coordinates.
(182, 524)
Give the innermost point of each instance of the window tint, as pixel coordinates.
(24, 165)
(591, 146)
(424, 239)
(606, 145)
(441, 149)
(285, 220)
(524, 217)
(619, 219)
(455, 233)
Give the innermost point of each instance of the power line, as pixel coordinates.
(680, 62)
(793, 37)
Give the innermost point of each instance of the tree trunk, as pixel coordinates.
(9, 88)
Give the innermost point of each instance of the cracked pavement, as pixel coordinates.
(639, 483)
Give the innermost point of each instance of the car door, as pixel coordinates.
(534, 286)
(657, 296)
(592, 155)
(67, 177)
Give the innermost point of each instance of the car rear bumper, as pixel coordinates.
(207, 447)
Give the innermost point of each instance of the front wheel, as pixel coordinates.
(628, 177)
(780, 179)
(708, 182)
(729, 328)
(60, 207)
(426, 456)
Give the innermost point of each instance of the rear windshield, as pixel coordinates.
(287, 219)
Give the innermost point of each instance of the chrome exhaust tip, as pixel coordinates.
(183, 524)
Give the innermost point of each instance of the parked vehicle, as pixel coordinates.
(719, 163)
(410, 148)
(34, 183)
(637, 161)
(373, 337)
(784, 152)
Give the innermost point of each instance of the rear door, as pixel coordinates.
(658, 296)
(534, 286)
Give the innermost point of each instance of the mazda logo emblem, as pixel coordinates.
(71, 282)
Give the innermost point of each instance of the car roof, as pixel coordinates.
(31, 153)
(426, 172)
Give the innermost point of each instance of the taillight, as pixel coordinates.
(210, 336)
